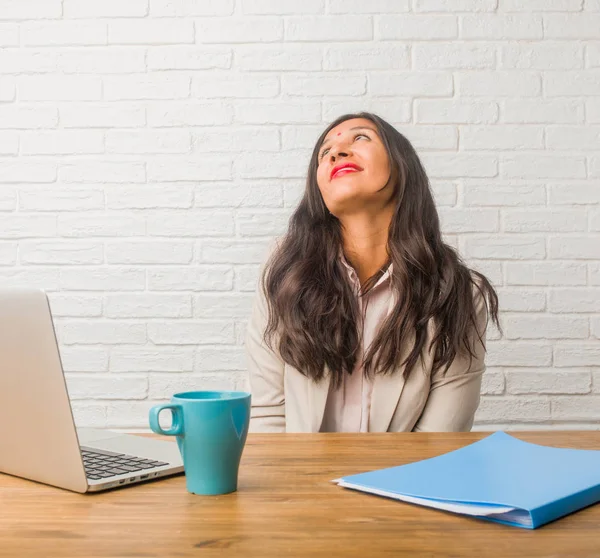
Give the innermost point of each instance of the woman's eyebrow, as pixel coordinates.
(355, 128)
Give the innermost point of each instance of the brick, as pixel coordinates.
(511, 247)
(147, 196)
(102, 225)
(594, 221)
(529, 111)
(521, 300)
(222, 306)
(594, 167)
(198, 332)
(239, 30)
(148, 141)
(62, 142)
(97, 332)
(576, 408)
(189, 114)
(434, 111)
(7, 90)
(185, 8)
(103, 279)
(542, 5)
(61, 252)
(544, 326)
(246, 277)
(21, 226)
(273, 58)
(9, 34)
(161, 384)
(283, 7)
(416, 27)
(518, 353)
(542, 166)
(574, 194)
(188, 58)
(106, 8)
(226, 84)
(544, 220)
(329, 28)
(572, 137)
(468, 220)
(291, 164)
(97, 171)
(444, 193)
(498, 84)
(26, 61)
(393, 110)
(574, 247)
(545, 273)
(505, 137)
(563, 83)
(547, 55)
(277, 112)
(379, 57)
(151, 359)
(40, 9)
(442, 165)
(60, 88)
(8, 199)
(262, 222)
(28, 118)
(592, 55)
(8, 253)
(571, 26)
(492, 383)
(106, 61)
(410, 84)
(205, 278)
(576, 353)
(434, 138)
(191, 223)
(527, 381)
(499, 26)
(455, 5)
(255, 194)
(502, 193)
(150, 86)
(596, 381)
(517, 409)
(101, 116)
(42, 198)
(46, 278)
(237, 252)
(211, 359)
(63, 33)
(150, 32)
(106, 387)
(84, 359)
(148, 306)
(75, 306)
(9, 143)
(574, 300)
(235, 139)
(169, 169)
(448, 55)
(147, 252)
(594, 273)
(323, 84)
(86, 414)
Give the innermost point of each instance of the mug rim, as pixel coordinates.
(229, 395)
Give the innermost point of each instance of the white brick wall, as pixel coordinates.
(150, 150)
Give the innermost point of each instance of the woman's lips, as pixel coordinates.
(343, 171)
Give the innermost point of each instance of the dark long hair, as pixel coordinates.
(312, 306)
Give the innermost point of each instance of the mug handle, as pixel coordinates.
(177, 415)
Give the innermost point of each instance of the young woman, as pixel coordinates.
(364, 320)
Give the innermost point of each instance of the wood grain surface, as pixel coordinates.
(285, 506)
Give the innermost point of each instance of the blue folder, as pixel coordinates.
(499, 478)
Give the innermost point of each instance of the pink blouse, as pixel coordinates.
(347, 408)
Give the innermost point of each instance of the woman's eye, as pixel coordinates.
(324, 152)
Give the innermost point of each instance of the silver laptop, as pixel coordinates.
(38, 437)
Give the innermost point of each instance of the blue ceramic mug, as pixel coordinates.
(211, 429)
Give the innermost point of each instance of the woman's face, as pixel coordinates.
(356, 143)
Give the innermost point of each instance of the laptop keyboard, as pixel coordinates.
(100, 464)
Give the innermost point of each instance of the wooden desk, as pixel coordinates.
(285, 506)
